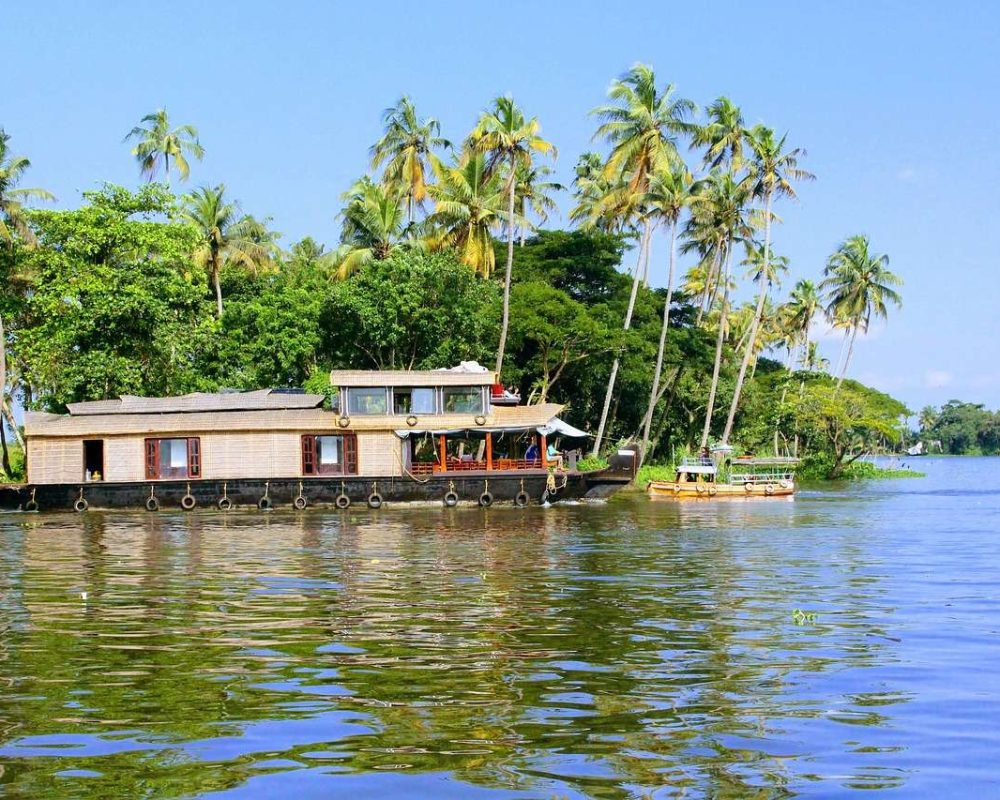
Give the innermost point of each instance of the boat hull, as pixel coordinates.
(674, 490)
(317, 492)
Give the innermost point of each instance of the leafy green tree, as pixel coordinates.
(156, 140)
(407, 149)
(843, 425)
(551, 331)
(468, 204)
(225, 236)
(508, 138)
(413, 310)
(115, 304)
(858, 287)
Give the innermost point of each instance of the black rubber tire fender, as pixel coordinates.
(486, 499)
(188, 502)
(265, 504)
(521, 499)
(375, 500)
(342, 502)
(300, 503)
(80, 505)
(450, 499)
(225, 504)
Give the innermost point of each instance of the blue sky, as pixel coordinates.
(896, 103)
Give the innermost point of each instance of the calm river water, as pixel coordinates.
(629, 649)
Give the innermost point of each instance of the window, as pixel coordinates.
(329, 455)
(367, 401)
(414, 401)
(463, 400)
(173, 458)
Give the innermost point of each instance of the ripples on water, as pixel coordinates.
(632, 649)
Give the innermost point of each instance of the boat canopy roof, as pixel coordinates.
(552, 426)
(697, 469)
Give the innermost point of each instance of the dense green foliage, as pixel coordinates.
(960, 429)
(146, 292)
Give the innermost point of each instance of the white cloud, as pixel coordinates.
(937, 378)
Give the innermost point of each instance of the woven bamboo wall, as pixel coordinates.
(266, 454)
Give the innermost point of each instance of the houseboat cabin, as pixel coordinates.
(377, 435)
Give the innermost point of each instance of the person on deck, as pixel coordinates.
(533, 453)
(554, 456)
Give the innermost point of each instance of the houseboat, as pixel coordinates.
(377, 437)
(719, 475)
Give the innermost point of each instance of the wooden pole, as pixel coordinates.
(489, 452)
(545, 454)
(443, 449)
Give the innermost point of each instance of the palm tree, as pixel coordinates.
(225, 235)
(407, 149)
(771, 172)
(507, 138)
(642, 124)
(928, 418)
(719, 220)
(468, 204)
(723, 136)
(12, 220)
(803, 306)
(13, 225)
(534, 194)
(812, 361)
(858, 287)
(669, 194)
(374, 225)
(156, 140)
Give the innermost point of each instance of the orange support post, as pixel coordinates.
(545, 454)
(443, 450)
(489, 452)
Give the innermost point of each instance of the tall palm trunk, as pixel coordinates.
(758, 313)
(784, 394)
(850, 351)
(217, 280)
(719, 339)
(643, 246)
(3, 396)
(510, 266)
(657, 372)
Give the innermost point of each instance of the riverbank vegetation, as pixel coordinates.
(442, 257)
(959, 429)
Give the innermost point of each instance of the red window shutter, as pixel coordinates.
(308, 455)
(351, 454)
(152, 459)
(194, 458)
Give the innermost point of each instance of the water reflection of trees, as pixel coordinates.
(596, 647)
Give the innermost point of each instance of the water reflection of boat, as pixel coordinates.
(719, 475)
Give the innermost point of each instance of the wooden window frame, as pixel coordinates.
(151, 448)
(310, 464)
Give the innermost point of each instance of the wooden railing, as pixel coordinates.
(454, 465)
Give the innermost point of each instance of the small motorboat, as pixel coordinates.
(707, 477)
